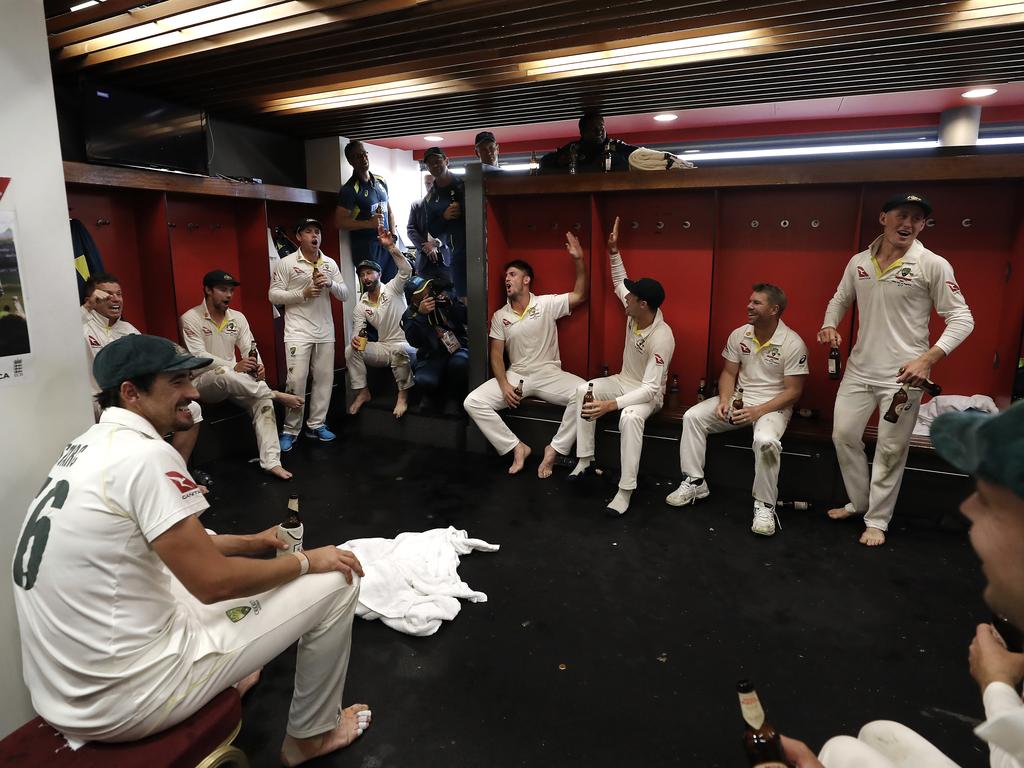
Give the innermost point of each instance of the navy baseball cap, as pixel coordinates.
(907, 199)
(984, 444)
(218, 277)
(140, 355)
(646, 289)
(308, 223)
(433, 151)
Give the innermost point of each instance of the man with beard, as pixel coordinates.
(767, 360)
(363, 208)
(895, 283)
(526, 328)
(593, 152)
(379, 311)
(304, 283)
(214, 329)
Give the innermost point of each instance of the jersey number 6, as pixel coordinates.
(36, 534)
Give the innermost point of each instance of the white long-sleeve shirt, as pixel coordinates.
(205, 338)
(1003, 728)
(386, 314)
(306, 320)
(894, 308)
(98, 332)
(646, 353)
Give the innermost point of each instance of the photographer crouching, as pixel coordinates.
(435, 324)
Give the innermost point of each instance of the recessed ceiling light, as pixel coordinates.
(666, 117)
(690, 151)
(81, 6)
(433, 138)
(978, 93)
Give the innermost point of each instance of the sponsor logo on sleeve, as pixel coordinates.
(658, 359)
(744, 348)
(862, 274)
(953, 286)
(802, 360)
(506, 322)
(94, 342)
(185, 485)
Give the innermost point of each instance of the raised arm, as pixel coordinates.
(580, 291)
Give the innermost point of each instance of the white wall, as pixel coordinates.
(43, 412)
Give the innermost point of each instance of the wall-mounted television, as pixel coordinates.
(125, 128)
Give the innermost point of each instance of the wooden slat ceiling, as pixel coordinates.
(459, 64)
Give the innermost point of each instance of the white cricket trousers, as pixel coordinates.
(303, 356)
(855, 402)
(631, 425)
(701, 421)
(223, 383)
(316, 609)
(550, 384)
(395, 355)
(883, 744)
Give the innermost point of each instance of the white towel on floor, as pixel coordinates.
(411, 582)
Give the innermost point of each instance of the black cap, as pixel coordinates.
(218, 277)
(308, 223)
(368, 263)
(646, 289)
(482, 137)
(433, 151)
(907, 199)
(139, 355)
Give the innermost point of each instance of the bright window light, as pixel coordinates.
(666, 117)
(81, 6)
(978, 93)
(433, 138)
(1000, 140)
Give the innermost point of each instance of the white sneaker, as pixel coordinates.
(687, 493)
(764, 519)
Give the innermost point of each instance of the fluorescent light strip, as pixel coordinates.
(363, 94)
(836, 149)
(997, 141)
(83, 6)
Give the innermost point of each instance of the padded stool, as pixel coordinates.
(201, 741)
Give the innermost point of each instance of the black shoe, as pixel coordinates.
(202, 477)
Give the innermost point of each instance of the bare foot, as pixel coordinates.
(362, 396)
(519, 454)
(288, 400)
(281, 472)
(354, 720)
(841, 513)
(547, 464)
(246, 683)
(203, 489)
(402, 404)
(872, 537)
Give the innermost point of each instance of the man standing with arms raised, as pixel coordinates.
(637, 391)
(363, 208)
(895, 283)
(526, 328)
(304, 283)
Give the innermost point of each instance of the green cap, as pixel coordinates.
(983, 444)
(139, 355)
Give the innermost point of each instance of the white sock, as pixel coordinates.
(621, 501)
(581, 466)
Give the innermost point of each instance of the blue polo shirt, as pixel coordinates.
(452, 233)
(362, 198)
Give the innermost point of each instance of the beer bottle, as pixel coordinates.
(607, 156)
(1011, 636)
(254, 356)
(930, 387)
(604, 370)
(588, 397)
(899, 400)
(800, 505)
(760, 740)
(290, 531)
(519, 388)
(534, 164)
(835, 363)
(362, 339)
(737, 403)
(702, 391)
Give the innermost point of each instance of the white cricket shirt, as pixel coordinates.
(206, 338)
(386, 314)
(764, 366)
(98, 333)
(531, 338)
(306, 320)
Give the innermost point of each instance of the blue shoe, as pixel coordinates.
(323, 434)
(287, 441)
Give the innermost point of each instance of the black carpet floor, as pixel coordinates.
(618, 642)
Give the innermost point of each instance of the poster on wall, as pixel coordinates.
(14, 340)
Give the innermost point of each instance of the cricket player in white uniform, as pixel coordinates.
(381, 307)
(304, 283)
(638, 391)
(895, 283)
(213, 329)
(769, 361)
(131, 616)
(102, 323)
(526, 328)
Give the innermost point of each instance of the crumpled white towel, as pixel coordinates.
(945, 403)
(411, 582)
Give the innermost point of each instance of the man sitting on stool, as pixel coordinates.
(133, 618)
(215, 330)
(435, 325)
(771, 373)
(639, 389)
(380, 309)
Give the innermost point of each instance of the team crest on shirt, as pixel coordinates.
(533, 312)
(772, 355)
(905, 275)
(658, 359)
(231, 327)
(953, 286)
(186, 485)
(862, 274)
(640, 343)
